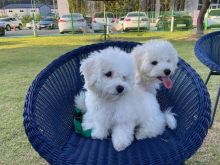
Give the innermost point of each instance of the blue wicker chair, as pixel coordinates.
(207, 50)
(48, 117)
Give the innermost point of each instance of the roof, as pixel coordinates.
(18, 6)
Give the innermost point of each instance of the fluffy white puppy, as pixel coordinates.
(114, 104)
(155, 61)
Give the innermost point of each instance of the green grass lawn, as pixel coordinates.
(21, 59)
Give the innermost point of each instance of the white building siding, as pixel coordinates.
(18, 10)
(54, 10)
(63, 7)
(3, 12)
(21, 12)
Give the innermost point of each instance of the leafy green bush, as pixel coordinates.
(37, 17)
(26, 18)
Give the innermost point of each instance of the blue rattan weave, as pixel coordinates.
(48, 117)
(207, 50)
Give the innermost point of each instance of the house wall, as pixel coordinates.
(2, 13)
(63, 7)
(21, 12)
(54, 10)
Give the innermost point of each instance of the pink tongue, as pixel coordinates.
(167, 82)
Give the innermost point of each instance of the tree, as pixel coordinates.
(166, 5)
(200, 19)
(172, 4)
(26, 18)
(91, 7)
(179, 5)
(121, 7)
(77, 6)
(143, 4)
(157, 9)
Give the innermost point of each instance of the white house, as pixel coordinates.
(53, 9)
(2, 12)
(63, 7)
(26, 9)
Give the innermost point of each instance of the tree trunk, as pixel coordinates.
(143, 5)
(166, 5)
(182, 4)
(200, 19)
(172, 4)
(157, 9)
(91, 8)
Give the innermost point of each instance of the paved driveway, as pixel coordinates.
(44, 32)
(27, 32)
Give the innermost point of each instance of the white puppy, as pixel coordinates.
(155, 61)
(114, 104)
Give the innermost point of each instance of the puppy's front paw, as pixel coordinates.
(87, 125)
(99, 134)
(140, 135)
(149, 132)
(120, 144)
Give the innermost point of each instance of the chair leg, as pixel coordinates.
(207, 79)
(215, 108)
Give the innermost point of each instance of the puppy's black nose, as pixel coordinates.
(167, 72)
(119, 88)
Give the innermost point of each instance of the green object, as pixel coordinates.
(138, 21)
(206, 19)
(77, 124)
(34, 26)
(172, 22)
(211, 14)
(182, 21)
(71, 15)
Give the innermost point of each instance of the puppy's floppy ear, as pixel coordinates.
(86, 66)
(137, 54)
(87, 70)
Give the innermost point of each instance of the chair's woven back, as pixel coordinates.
(48, 116)
(207, 50)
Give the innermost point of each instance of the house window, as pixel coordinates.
(21, 11)
(10, 11)
(32, 10)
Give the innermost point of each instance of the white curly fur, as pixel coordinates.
(132, 112)
(147, 74)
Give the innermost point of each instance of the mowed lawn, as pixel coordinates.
(21, 59)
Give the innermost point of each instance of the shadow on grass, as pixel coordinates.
(134, 39)
(143, 37)
(115, 37)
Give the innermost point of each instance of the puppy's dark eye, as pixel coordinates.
(108, 74)
(124, 78)
(169, 60)
(154, 62)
